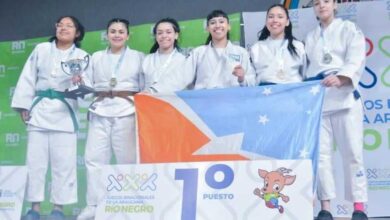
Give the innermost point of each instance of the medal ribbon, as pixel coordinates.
(325, 47)
(162, 68)
(118, 64)
(56, 61)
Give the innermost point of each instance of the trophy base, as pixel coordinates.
(78, 91)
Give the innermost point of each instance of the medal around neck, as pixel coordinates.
(327, 58)
(113, 82)
(75, 67)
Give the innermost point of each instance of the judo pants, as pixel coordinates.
(345, 127)
(107, 135)
(58, 149)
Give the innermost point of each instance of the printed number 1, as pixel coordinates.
(190, 186)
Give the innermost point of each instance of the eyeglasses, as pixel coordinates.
(61, 25)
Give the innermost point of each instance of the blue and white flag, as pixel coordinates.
(267, 122)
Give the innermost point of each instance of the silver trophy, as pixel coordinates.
(75, 67)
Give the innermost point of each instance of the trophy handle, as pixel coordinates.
(63, 65)
(86, 60)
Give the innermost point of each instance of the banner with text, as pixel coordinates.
(267, 189)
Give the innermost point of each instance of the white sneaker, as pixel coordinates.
(88, 213)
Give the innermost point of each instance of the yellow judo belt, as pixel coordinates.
(52, 94)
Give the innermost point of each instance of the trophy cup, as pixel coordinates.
(75, 67)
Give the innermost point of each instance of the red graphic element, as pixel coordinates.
(274, 183)
(370, 47)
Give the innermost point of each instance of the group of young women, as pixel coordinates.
(118, 73)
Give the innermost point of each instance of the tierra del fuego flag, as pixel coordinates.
(245, 123)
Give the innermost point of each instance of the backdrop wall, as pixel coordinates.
(21, 19)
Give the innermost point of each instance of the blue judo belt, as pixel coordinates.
(326, 73)
(319, 76)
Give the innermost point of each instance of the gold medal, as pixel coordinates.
(113, 82)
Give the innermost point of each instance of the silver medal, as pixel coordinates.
(113, 82)
(327, 58)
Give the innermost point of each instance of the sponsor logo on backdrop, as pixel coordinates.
(381, 109)
(12, 139)
(294, 18)
(274, 182)
(2, 70)
(388, 8)
(11, 91)
(10, 114)
(6, 203)
(4, 193)
(18, 46)
(378, 178)
(347, 11)
(151, 29)
(370, 77)
(342, 209)
(205, 26)
(103, 37)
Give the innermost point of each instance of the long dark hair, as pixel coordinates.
(264, 33)
(214, 14)
(125, 22)
(79, 29)
(176, 28)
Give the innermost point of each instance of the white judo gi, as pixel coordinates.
(111, 119)
(208, 67)
(158, 66)
(51, 129)
(273, 62)
(342, 112)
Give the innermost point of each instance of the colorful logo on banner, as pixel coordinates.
(134, 182)
(274, 182)
(231, 124)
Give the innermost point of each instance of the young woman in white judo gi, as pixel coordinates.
(51, 118)
(116, 77)
(218, 64)
(165, 57)
(277, 57)
(340, 45)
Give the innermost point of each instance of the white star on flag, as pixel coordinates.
(308, 112)
(267, 91)
(303, 154)
(315, 89)
(263, 119)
